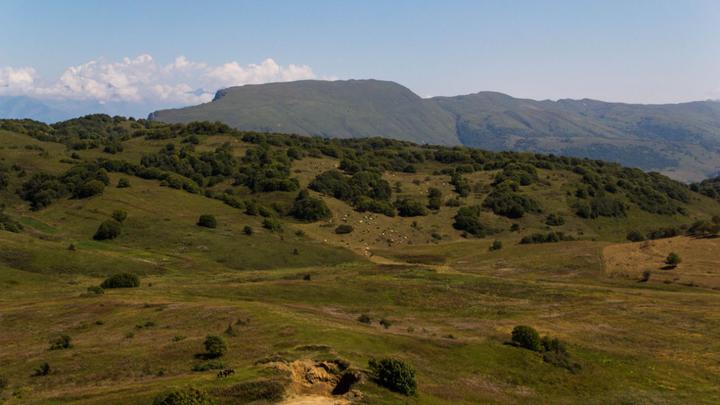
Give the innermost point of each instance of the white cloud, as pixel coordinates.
(142, 79)
(16, 79)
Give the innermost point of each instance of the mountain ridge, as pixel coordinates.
(681, 140)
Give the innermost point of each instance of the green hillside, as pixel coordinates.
(679, 140)
(313, 259)
(342, 109)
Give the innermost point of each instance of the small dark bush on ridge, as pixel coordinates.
(121, 280)
(123, 183)
(109, 229)
(247, 230)
(364, 318)
(61, 342)
(343, 229)
(207, 221)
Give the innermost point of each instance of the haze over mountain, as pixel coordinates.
(680, 140)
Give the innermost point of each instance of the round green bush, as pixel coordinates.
(121, 280)
(207, 221)
(343, 229)
(526, 337)
(215, 346)
(394, 375)
(89, 189)
(109, 229)
(123, 183)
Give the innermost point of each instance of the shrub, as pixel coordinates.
(247, 230)
(550, 237)
(215, 346)
(207, 221)
(468, 219)
(554, 220)
(526, 337)
(673, 259)
(410, 208)
(343, 229)
(307, 208)
(119, 215)
(272, 225)
(123, 183)
(3, 383)
(509, 204)
(601, 206)
(42, 370)
(89, 189)
(109, 229)
(496, 245)
(645, 276)
(434, 198)
(121, 280)
(61, 342)
(394, 375)
(189, 396)
(635, 236)
(364, 318)
(386, 323)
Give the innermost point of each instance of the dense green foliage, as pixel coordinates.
(509, 204)
(549, 237)
(468, 219)
(215, 346)
(407, 207)
(394, 374)
(308, 208)
(107, 230)
(207, 221)
(121, 280)
(526, 337)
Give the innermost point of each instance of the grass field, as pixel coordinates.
(288, 303)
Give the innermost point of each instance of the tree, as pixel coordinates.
(215, 346)
(343, 229)
(121, 280)
(89, 189)
(109, 229)
(307, 208)
(207, 221)
(410, 208)
(468, 219)
(123, 183)
(394, 374)
(526, 337)
(673, 259)
(434, 198)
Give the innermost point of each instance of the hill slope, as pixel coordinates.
(327, 253)
(680, 140)
(342, 109)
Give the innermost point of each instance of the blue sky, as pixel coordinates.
(635, 51)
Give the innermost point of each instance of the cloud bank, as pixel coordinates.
(142, 80)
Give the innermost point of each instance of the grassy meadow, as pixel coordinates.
(288, 302)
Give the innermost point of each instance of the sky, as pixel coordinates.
(170, 53)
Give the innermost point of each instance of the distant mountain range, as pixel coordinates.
(680, 140)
